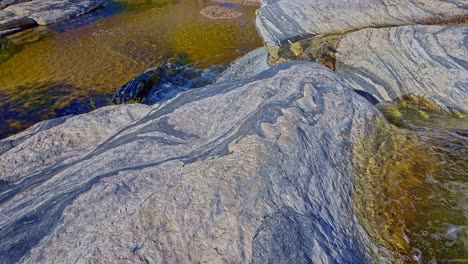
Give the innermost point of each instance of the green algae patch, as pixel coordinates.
(410, 192)
(410, 111)
(7, 49)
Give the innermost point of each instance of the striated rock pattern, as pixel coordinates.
(243, 171)
(42, 12)
(280, 20)
(426, 61)
(5, 3)
(246, 66)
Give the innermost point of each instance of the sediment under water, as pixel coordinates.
(411, 191)
(53, 71)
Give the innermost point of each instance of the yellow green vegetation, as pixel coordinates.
(415, 111)
(410, 189)
(317, 49)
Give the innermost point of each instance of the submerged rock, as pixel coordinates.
(246, 171)
(281, 20)
(218, 12)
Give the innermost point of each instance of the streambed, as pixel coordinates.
(48, 72)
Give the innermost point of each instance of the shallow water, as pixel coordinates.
(412, 188)
(53, 71)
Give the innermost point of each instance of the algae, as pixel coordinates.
(410, 188)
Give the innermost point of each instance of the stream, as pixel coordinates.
(75, 66)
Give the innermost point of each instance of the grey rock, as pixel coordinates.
(246, 66)
(5, 3)
(426, 61)
(242, 171)
(280, 20)
(43, 12)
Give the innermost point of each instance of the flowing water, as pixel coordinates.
(52, 71)
(411, 190)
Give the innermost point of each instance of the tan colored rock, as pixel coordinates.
(241, 2)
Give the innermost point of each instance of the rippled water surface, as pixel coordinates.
(52, 71)
(412, 188)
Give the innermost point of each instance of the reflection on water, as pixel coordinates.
(411, 187)
(93, 55)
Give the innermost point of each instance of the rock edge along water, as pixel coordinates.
(385, 60)
(19, 15)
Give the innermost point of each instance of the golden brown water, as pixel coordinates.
(57, 70)
(411, 184)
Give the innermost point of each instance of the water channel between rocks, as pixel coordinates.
(53, 71)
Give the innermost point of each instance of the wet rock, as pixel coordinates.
(42, 12)
(281, 20)
(164, 82)
(245, 171)
(430, 62)
(137, 88)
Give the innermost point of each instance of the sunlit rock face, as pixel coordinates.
(430, 62)
(18, 14)
(246, 66)
(242, 171)
(281, 20)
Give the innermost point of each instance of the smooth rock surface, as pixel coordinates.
(281, 20)
(244, 171)
(246, 66)
(44, 12)
(427, 61)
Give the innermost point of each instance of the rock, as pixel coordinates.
(281, 20)
(241, 2)
(246, 66)
(164, 82)
(218, 12)
(251, 171)
(44, 12)
(137, 88)
(5, 3)
(429, 62)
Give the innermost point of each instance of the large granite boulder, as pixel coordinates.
(281, 20)
(429, 62)
(255, 170)
(21, 14)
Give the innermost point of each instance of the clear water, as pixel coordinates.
(412, 192)
(52, 71)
